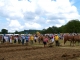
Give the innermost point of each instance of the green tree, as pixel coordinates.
(4, 31)
(55, 29)
(52, 29)
(73, 26)
(62, 29)
(49, 30)
(16, 32)
(43, 31)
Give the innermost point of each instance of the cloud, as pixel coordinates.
(36, 14)
(32, 25)
(15, 25)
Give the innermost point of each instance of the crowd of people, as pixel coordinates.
(31, 39)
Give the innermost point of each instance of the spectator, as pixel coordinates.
(31, 39)
(23, 38)
(27, 39)
(45, 40)
(56, 39)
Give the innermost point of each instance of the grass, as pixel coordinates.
(67, 44)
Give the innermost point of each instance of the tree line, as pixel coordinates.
(73, 26)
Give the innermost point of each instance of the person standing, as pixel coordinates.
(3, 38)
(10, 39)
(23, 38)
(52, 39)
(56, 40)
(35, 38)
(31, 39)
(19, 39)
(27, 39)
(15, 39)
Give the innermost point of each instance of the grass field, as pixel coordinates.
(67, 44)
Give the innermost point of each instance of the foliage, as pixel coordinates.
(16, 32)
(73, 26)
(62, 29)
(70, 27)
(4, 31)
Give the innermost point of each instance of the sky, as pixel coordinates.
(37, 14)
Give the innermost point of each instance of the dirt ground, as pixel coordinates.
(19, 52)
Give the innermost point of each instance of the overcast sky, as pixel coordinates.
(37, 14)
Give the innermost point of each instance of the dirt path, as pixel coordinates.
(38, 53)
